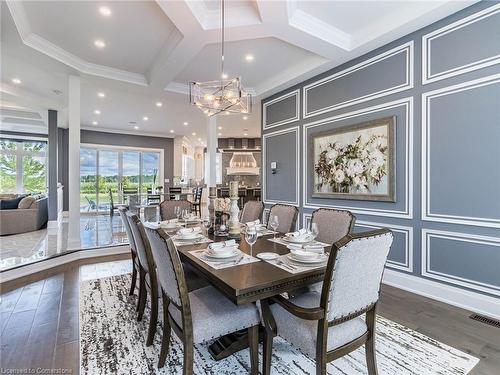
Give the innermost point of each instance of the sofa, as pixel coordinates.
(31, 214)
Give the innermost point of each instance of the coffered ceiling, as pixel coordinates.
(143, 52)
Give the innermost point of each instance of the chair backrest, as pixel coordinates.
(287, 217)
(141, 243)
(110, 197)
(252, 210)
(173, 191)
(197, 195)
(169, 267)
(354, 273)
(167, 208)
(332, 224)
(134, 201)
(126, 224)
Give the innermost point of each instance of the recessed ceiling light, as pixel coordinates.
(105, 11)
(186, 123)
(219, 134)
(159, 104)
(97, 112)
(145, 118)
(171, 131)
(101, 95)
(199, 139)
(136, 127)
(94, 122)
(224, 75)
(220, 127)
(249, 57)
(245, 134)
(193, 133)
(99, 43)
(245, 117)
(16, 81)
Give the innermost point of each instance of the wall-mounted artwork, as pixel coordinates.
(355, 162)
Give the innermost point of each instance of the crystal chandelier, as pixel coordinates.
(221, 96)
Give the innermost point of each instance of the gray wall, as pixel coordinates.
(446, 218)
(115, 139)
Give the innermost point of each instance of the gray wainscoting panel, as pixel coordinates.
(466, 45)
(382, 75)
(282, 110)
(281, 147)
(402, 205)
(463, 153)
(457, 258)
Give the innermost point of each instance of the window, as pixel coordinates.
(23, 166)
(187, 167)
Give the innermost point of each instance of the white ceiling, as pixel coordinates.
(153, 48)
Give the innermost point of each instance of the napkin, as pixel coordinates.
(253, 223)
(299, 234)
(217, 246)
(313, 248)
(186, 231)
(172, 221)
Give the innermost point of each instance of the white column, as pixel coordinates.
(211, 151)
(74, 162)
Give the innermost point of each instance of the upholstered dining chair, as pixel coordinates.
(167, 208)
(133, 251)
(147, 275)
(252, 210)
(332, 224)
(330, 324)
(287, 217)
(199, 316)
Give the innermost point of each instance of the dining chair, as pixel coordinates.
(147, 275)
(252, 210)
(197, 201)
(167, 208)
(199, 316)
(112, 206)
(287, 217)
(133, 251)
(174, 192)
(332, 224)
(330, 324)
(152, 199)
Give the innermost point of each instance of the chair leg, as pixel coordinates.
(267, 352)
(320, 364)
(153, 320)
(253, 343)
(371, 362)
(134, 276)
(167, 330)
(143, 294)
(188, 356)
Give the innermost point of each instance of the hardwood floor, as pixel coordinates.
(40, 328)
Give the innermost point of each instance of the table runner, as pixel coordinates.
(241, 259)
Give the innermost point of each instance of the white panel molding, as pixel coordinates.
(462, 298)
(407, 213)
(427, 271)
(296, 117)
(427, 76)
(406, 48)
(74, 256)
(426, 152)
(407, 266)
(294, 130)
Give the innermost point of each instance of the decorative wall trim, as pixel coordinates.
(426, 115)
(462, 298)
(297, 165)
(427, 271)
(427, 76)
(296, 117)
(405, 48)
(407, 213)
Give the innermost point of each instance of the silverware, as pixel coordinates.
(234, 261)
(286, 265)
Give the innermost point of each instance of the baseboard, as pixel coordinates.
(53, 224)
(44, 265)
(462, 298)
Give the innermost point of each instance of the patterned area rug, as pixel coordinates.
(113, 342)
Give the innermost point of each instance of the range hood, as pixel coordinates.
(243, 164)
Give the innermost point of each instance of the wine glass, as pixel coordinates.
(177, 211)
(185, 215)
(314, 230)
(251, 237)
(274, 224)
(206, 224)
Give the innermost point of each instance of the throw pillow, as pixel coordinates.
(10, 204)
(26, 202)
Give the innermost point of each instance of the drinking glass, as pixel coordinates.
(185, 215)
(177, 211)
(206, 224)
(251, 237)
(314, 230)
(274, 224)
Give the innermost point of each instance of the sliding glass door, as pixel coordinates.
(108, 175)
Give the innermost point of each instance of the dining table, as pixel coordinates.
(253, 282)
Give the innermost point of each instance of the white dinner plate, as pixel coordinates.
(313, 260)
(225, 255)
(267, 256)
(189, 238)
(294, 240)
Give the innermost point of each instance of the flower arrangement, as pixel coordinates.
(222, 204)
(352, 167)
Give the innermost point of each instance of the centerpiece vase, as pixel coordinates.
(234, 222)
(212, 195)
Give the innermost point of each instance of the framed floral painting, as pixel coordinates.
(355, 162)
